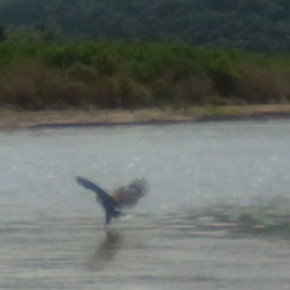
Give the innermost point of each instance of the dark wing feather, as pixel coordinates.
(90, 185)
(106, 200)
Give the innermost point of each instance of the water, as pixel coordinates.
(217, 215)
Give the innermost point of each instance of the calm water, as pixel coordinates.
(217, 216)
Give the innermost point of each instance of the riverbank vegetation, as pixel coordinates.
(37, 74)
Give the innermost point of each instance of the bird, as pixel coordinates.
(123, 197)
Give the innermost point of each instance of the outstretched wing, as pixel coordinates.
(103, 196)
(128, 196)
(91, 186)
(110, 205)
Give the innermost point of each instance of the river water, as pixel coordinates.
(217, 215)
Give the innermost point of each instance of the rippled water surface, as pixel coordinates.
(217, 215)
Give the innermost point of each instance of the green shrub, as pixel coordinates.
(264, 85)
(222, 71)
(193, 90)
(121, 91)
(34, 86)
(114, 74)
(83, 73)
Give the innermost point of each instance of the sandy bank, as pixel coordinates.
(10, 119)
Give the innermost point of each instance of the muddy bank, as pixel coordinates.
(10, 119)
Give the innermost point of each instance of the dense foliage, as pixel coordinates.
(118, 74)
(260, 25)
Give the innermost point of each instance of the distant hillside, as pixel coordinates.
(260, 25)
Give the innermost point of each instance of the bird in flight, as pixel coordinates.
(125, 196)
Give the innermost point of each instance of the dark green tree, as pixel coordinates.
(3, 35)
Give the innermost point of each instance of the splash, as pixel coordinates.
(260, 218)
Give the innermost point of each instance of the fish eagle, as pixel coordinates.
(113, 203)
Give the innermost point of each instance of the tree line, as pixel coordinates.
(256, 25)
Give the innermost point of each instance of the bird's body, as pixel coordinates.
(126, 196)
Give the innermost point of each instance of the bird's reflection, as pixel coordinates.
(107, 250)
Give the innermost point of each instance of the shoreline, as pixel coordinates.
(11, 119)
